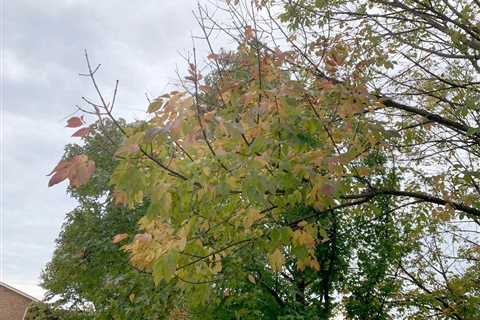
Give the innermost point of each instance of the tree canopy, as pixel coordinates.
(326, 167)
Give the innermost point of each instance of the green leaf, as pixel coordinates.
(164, 268)
(155, 105)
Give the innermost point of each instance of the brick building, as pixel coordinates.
(13, 303)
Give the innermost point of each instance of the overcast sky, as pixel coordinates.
(137, 42)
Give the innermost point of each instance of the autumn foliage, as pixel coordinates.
(329, 173)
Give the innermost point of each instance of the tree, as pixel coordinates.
(336, 173)
(423, 67)
(87, 271)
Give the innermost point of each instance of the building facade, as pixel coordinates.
(13, 303)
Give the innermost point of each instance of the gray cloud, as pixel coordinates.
(136, 42)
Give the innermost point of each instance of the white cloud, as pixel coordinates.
(15, 70)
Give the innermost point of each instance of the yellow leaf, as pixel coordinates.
(276, 260)
(252, 216)
(302, 223)
(232, 182)
(217, 267)
(303, 238)
(167, 201)
(363, 171)
(182, 242)
(313, 263)
(209, 115)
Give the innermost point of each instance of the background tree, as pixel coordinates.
(87, 271)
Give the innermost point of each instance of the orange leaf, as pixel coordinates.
(119, 197)
(212, 56)
(248, 33)
(119, 237)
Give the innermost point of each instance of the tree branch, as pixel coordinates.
(417, 195)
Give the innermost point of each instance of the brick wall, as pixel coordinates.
(12, 304)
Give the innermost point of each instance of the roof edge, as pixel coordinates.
(3, 284)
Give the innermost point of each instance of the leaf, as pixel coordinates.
(155, 105)
(161, 204)
(58, 177)
(248, 33)
(81, 171)
(120, 197)
(217, 266)
(303, 238)
(251, 279)
(327, 189)
(60, 166)
(78, 170)
(119, 237)
(61, 171)
(313, 263)
(212, 56)
(164, 268)
(280, 236)
(276, 260)
(81, 132)
(127, 149)
(251, 217)
(74, 122)
(152, 132)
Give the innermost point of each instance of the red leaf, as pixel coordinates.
(327, 189)
(78, 170)
(81, 132)
(58, 177)
(74, 122)
(63, 164)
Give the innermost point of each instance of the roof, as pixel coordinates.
(3, 284)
